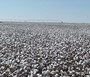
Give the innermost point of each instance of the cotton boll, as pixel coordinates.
(39, 75)
(56, 75)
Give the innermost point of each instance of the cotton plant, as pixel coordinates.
(44, 50)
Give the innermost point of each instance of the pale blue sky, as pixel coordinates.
(45, 10)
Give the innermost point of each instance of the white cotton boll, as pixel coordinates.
(87, 76)
(47, 71)
(80, 48)
(56, 75)
(48, 67)
(8, 70)
(31, 74)
(15, 76)
(24, 66)
(17, 60)
(22, 61)
(77, 72)
(34, 71)
(7, 62)
(44, 72)
(53, 72)
(59, 59)
(10, 61)
(39, 75)
(35, 66)
(2, 67)
(22, 52)
(89, 71)
(40, 48)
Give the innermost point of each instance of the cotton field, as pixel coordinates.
(44, 49)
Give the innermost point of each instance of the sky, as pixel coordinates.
(45, 10)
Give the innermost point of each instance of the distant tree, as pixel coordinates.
(61, 21)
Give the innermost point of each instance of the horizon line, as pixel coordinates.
(55, 21)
